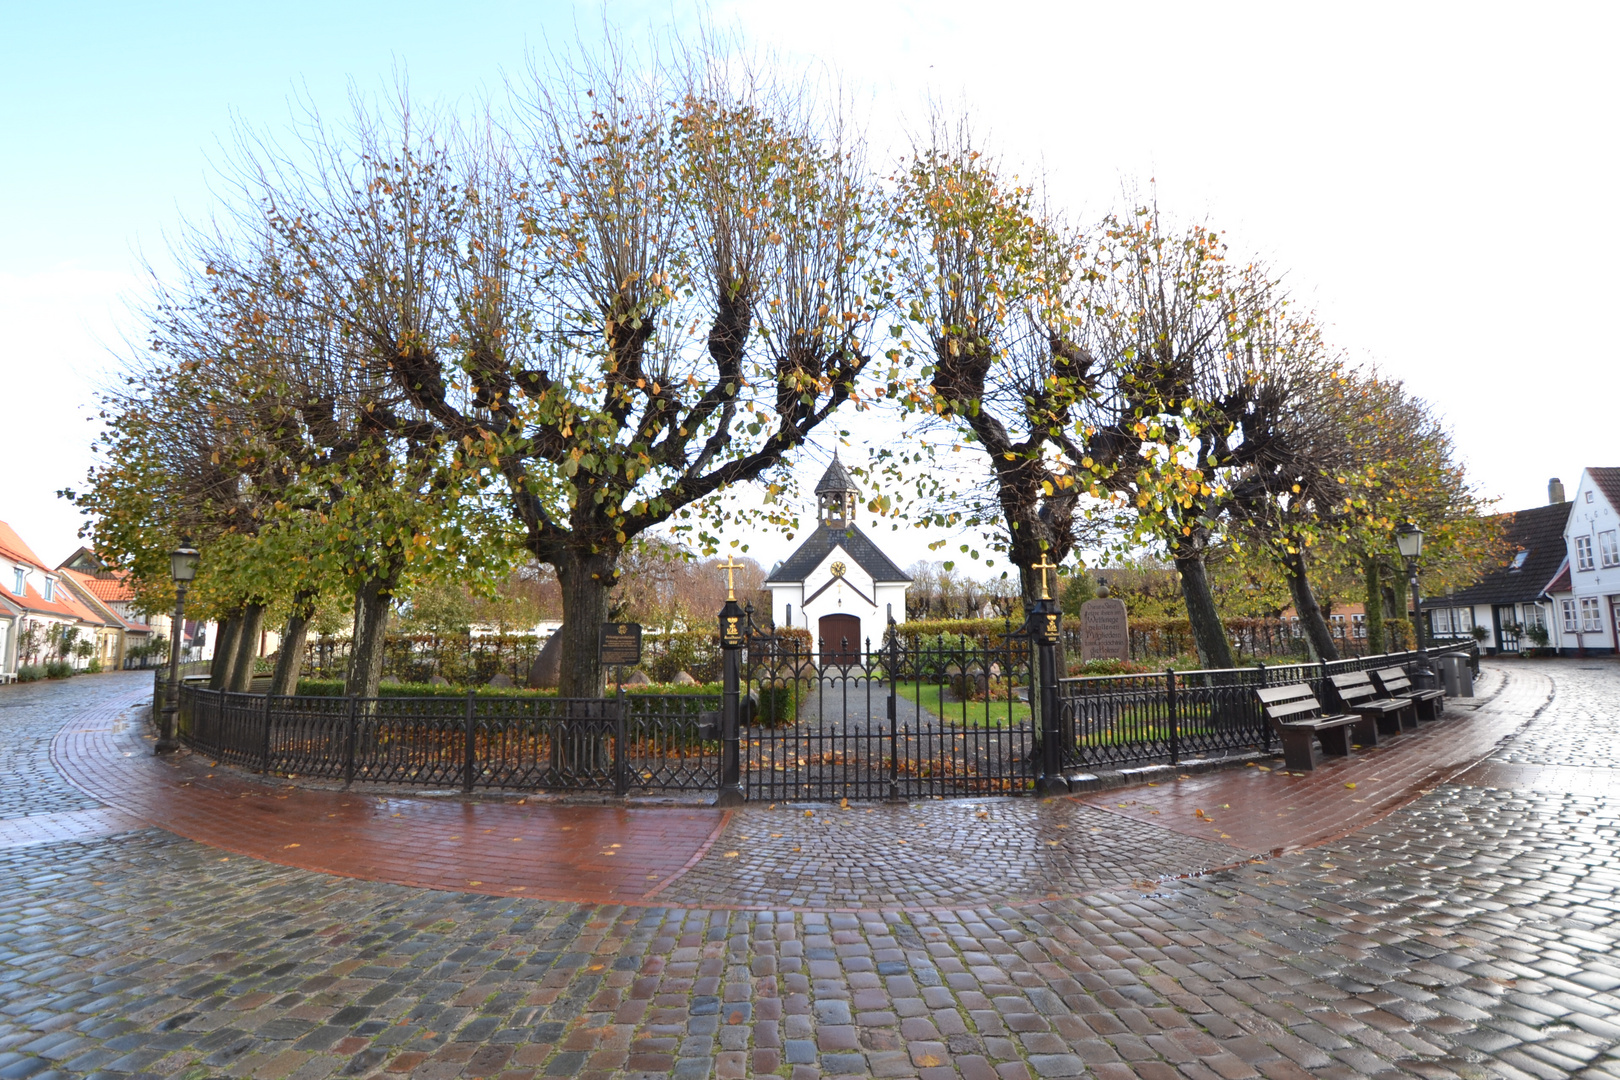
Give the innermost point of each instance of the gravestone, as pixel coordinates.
(546, 671)
(684, 678)
(1105, 634)
(501, 681)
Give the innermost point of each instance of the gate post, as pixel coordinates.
(467, 766)
(350, 734)
(621, 779)
(894, 708)
(264, 760)
(732, 634)
(1175, 716)
(1045, 623)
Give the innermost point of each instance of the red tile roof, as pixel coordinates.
(110, 589)
(13, 548)
(105, 615)
(1560, 583)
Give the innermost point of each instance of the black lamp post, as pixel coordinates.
(1409, 539)
(183, 568)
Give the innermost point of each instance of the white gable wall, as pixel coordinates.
(1594, 568)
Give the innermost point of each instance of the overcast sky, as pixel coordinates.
(1437, 180)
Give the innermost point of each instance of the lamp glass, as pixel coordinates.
(1409, 538)
(183, 562)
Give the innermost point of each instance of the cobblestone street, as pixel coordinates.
(1466, 927)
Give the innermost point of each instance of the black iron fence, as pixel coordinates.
(1174, 716)
(632, 743)
(822, 723)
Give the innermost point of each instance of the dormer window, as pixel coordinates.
(20, 583)
(50, 591)
(1518, 561)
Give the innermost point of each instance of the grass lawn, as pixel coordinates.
(972, 713)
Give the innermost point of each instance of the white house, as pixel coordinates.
(838, 584)
(1586, 592)
(1510, 600)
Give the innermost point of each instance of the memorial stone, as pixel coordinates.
(1104, 630)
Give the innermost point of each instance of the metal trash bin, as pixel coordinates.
(1457, 676)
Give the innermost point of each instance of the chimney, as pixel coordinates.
(1555, 491)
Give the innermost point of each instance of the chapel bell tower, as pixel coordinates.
(835, 495)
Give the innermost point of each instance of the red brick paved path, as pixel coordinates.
(634, 855)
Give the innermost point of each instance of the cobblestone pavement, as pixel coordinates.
(1470, 933)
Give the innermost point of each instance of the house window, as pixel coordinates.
(1583, 553)
(1440, 621)
(1568, 608)
(1518, 560)
(20, 583)
(1358, 625)
(1591, 617)
(1534, 616)
(50, 591)
(1608, 548)
(1588, 496)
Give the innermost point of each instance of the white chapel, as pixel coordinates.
(838, 585)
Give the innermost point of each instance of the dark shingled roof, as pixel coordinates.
(858, 545)
(1540, 533)
(835, 479)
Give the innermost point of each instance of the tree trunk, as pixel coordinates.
(585, 584)
(372, 605)
(1373, 578)
(1214, 650)
(219, 672)
(249, 629)
(1309, 611)
(290, 663)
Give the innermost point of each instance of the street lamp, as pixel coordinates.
(1409, 539)
(183, 568)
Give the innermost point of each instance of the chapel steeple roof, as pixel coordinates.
(835, 480)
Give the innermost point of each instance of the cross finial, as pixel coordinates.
(1043, 566)
(731, 566)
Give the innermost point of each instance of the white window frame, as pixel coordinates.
(1591, 615)
(19, 583)
(1609, 548)
(1571, 626)
(1440, 621)
(1358, 624)
(50, 591)
(1583, 553)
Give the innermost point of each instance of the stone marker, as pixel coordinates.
(637, 677)
(546, 670)
(501, 681)
(1105, 633)
(439, 680)
(684, 678)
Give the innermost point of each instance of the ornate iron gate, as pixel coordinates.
(828, 723)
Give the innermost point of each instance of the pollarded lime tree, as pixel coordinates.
(1187, 399)
(985, 284)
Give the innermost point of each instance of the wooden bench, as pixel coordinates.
(1380, 715)
(1295, 715)
(1394, 683)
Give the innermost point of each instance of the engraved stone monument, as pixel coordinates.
(1104, 631)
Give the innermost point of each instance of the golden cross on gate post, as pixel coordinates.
(731, 566)
(1043, 566)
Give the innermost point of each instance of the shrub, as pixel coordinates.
(30, 673)
(58, 669)
(94, 667)
(1399, 633)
